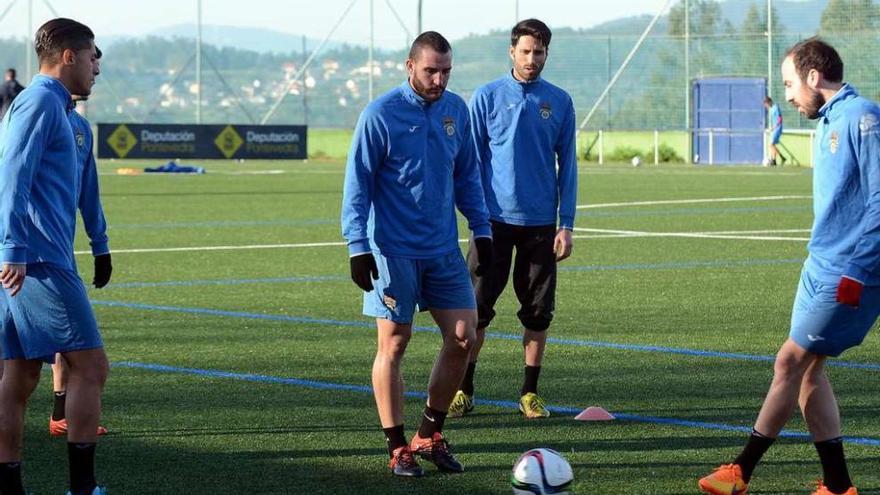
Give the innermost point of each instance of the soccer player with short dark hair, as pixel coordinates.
(838, 298)
(412, 161)
(44, 305)
(524, 130)
(96, 228)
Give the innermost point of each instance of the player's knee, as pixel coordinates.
(788, 366)
(536, 323)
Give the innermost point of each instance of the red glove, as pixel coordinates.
(849, 292)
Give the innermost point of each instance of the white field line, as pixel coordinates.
(692, 235)
(595, 234)
(691, 201)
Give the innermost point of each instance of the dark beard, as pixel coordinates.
(817, 101)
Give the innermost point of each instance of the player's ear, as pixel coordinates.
(68, 56)
(410, 66)
(813, 78)
(512, 51)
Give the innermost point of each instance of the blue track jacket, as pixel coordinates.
(41, 178)
(846, 191)
(411, 162)
(523, 131)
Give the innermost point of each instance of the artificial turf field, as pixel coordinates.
(245, 368)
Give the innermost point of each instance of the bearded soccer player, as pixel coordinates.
(838, 298)
(44, 306)
(524, 130)
(411, 163)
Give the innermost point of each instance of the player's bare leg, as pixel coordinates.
(387, 379)
(792, 362)
(87, 371)
(458, 328)
(20, 378)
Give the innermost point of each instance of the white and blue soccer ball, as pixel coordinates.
(541, 472)
(636, 161)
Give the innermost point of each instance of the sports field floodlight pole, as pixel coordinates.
(370, 57)
(623, 66)
(198, 61)
(687, 82)
(770, 48)
(308, 62)
(419, 17)
(29, 41)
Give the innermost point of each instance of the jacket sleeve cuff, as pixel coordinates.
(99, 248)
(15, 255)
(483, 231)
(856, 273)
(566, 223)
(359, 247)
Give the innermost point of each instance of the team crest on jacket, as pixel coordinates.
(833, 142)
(80, 139)
(449, 125)
(545, 111)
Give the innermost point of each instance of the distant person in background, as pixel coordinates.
(10, 89)
(524, 129)
(96, 228)
(838, 297)
(775, 120)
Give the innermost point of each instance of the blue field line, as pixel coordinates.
(502, 404)
(242, 281)
(675, 265)
(225, 223)
(494, 335)
(692, 211)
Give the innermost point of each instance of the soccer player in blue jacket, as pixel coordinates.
(412, 161)
(96, 228)
(44, 305)
(838, 298)
(524, 130)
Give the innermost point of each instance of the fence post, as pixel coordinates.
(601, 147)
(656, 147)
(711, 147)
(812, 135)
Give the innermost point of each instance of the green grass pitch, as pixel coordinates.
(244, 368)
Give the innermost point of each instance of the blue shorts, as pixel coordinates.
(774, 138)
(823, 326)
(406, 285)
(50, 314)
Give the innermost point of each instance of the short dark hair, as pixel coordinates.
(813, 53)
(61, 34)
(531, 27)
(10, 72)
(768, 100)
(429, 39)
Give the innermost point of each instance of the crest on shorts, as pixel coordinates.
(389, 302)
(545, 111)
(449, 126)
(833, 142)
(80, 139)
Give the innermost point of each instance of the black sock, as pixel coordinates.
(58, 409)
(82, 467)
(432, 422)
(10, 478)
(530, 380)
(835, 474)
(752, 453)
(394, 438)
(467, 385)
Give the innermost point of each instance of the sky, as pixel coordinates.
(455, 19)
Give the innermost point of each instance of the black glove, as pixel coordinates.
(103, 269)
(364, 270)
(484, 255)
